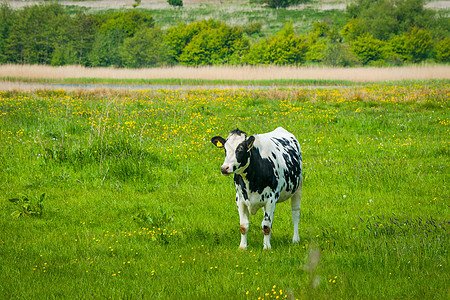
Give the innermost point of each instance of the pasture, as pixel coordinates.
(118, 194)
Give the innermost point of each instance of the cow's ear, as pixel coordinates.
(218, 141)
(250, 142)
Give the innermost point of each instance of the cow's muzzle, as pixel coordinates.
(225, 170)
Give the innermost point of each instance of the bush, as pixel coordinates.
(397, 51)
(253, 28)
(145, 49)
(282, 49)
(339, 55)
(385, 18)
(175, 3)
(206, 43)
(283, 3)
(367, 48)
(34, 34)
(419, 44)
(113, 30)
(7, 16)
(443, 50)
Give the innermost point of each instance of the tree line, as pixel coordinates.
(380, 32)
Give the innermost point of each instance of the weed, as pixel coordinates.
(28, 206)
(146, 219)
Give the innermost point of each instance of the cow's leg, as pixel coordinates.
(266, 225)
(295, 211)
(244, 222)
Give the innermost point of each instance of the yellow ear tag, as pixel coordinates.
(219, 144)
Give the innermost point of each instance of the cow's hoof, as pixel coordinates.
(242, 248)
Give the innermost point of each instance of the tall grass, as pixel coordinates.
(135, 205)
(417, 72)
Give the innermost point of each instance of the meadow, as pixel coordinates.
(118, 194)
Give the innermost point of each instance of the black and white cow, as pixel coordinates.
(267, 169)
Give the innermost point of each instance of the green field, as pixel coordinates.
(118, 194)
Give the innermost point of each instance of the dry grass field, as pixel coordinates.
(372, 74)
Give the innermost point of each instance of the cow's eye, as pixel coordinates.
(240, 148)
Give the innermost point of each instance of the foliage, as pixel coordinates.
(282, 49)
(175, 3)
(283, 3)
(384, 18)
(157, 219)
(136, 3)
(145, 49)
(7, 16)
(419, 43)
(367, 48)
(34, 34)
(113, 30)
(206, 42)
(57, 35)
(27, 206)
(443, 50)
(253, 28)
(337, 54)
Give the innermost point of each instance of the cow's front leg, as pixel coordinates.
(244, 222)
(267, 222)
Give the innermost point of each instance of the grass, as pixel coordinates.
(244, 75)
(135, 205)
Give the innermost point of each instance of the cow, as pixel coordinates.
(267, 170)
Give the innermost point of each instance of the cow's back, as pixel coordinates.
(281, 151)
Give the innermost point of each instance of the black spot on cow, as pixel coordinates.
(240, 182)
(260, 173)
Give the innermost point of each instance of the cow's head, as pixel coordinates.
(237, 151)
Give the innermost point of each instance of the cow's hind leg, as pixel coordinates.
(295, 211)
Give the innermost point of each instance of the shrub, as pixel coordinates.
(34, 33)
(175, 3)
(283, 3)
(28, 206)
(206, 43)
(397, 51)
(316, 52)
(339, 54)
(282, 49)
(145, 49)
(253, 28)
(443, 50)
(384, 18)
(419, 44)
(367, 48)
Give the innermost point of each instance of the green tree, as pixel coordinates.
(35, 32)
(79, 37)
(339, 54)
(114, 28)
(419, 44)
(206, 43)
(7, 17)
(281, 49)
(367, 48)
(443, 50)
(179, 36)
(175, 3)
(145, 49)
(397, 50)
(385, 18)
